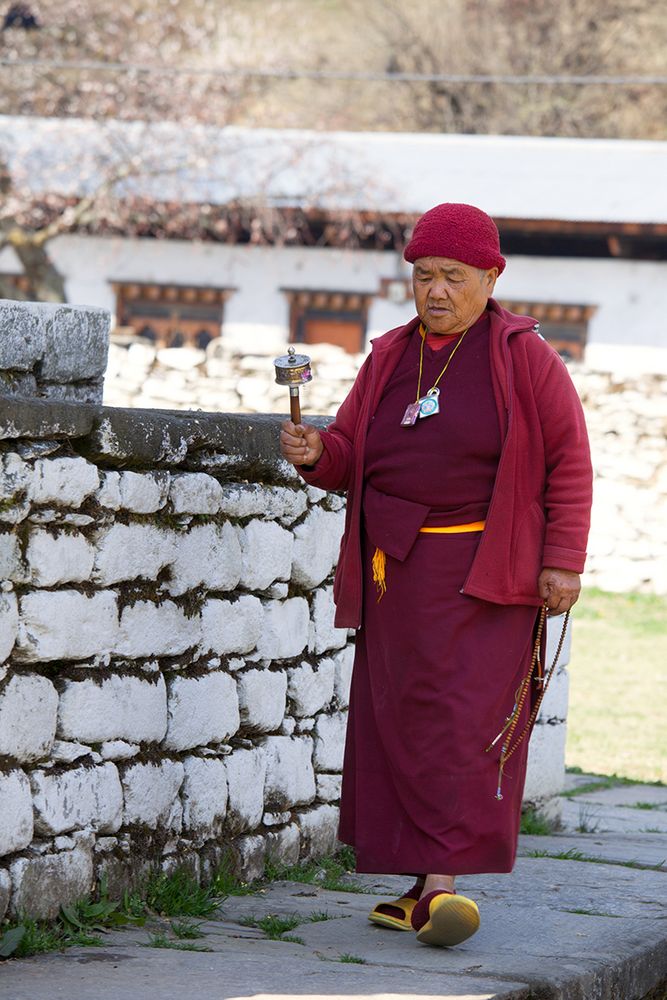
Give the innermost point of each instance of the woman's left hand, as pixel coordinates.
(559, 588)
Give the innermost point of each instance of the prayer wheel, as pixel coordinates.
(293, 370)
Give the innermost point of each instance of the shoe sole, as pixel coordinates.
(452, 919)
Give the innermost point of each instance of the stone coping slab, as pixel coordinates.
(119, 436)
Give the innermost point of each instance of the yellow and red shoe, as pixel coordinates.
(445, 918)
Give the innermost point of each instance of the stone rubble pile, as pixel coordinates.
(627, 420)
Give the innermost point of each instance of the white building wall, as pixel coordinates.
(630, 297)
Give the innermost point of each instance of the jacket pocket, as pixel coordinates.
(527, 549)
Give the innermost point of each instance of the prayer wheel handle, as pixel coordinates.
(293, 370)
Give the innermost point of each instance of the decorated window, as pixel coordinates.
(564, 326)
(171, 315)
(329, 317)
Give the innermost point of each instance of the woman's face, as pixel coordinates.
(450, 296)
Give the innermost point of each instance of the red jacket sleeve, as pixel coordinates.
(569, 475)
(334, 468)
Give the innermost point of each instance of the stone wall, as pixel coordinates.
(172, 688)
(626, 415)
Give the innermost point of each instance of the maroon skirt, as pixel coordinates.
(435, 675)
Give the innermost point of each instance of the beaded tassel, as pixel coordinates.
(520, 698)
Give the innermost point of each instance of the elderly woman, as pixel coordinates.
(463, 449)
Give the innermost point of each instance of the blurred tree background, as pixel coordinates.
(158, 54)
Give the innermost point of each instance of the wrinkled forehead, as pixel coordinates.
(444, 265)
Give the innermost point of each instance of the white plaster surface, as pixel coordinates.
(64, 558)
(16, 818)
(64, 481)
(330, 741)
(204, 794)
(284, 629)
(9, 624)
(45, 625)
(73, 799)
(266, 554)
(324, 636)
(117, 707)
(201, 710)
(207, 555)
(310, 690)
(232, 626)
(148, 629)
(195, 493)
(262, 698)
(246, 773)
(316, 544)
(28, 708)
(143, 492)
(150, 790)
(128, 551)
(290, 779)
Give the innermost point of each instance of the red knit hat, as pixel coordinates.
(461, 232)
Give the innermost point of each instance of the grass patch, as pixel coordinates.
(648, 805)
(179, 895)
(536, 824)
(352, 959)
(593, 913)
(573, 854)
(618, 678)
(186, 930)
(276, 927)
(332, 872)
(225, 882)
(162, 941)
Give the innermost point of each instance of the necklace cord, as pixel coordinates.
(421, 363)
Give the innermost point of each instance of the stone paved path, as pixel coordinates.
(591, 923)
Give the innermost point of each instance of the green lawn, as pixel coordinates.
(617, 720)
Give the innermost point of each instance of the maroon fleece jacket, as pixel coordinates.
(539, 513)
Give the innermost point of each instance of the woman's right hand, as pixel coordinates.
(300, 444)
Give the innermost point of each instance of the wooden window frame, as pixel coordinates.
(325, 303)
(200, 308)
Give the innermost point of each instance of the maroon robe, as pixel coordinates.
(435, 670)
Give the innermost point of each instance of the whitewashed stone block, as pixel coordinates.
(554, 706)
(251, 853)
(204, 794)
(128, 551)
(328, 787)
(254, 500)
(232, 626)
(108, 494)
(66, 625)
(5, 892)
(81, 797)
(309, 689)
(16, 818)
(319, 831)
(262, 699)
(284, 846)
(284, 629)
(143, 492)
(43, 884)
(290, 779)
(316, 544)
(15, 477)
(545, 776)
(119, 707)
(9, 623)
(324, 636)
(201, 710)
(11, 562)
(148, 629)
(119, 749)
(28, 707)
(63, 558)
(246, 772)
(195, 493)
(266, 554)
(150, 790)
(330, 741)
(208, 555)
(64, 481)
(343, 661)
